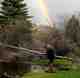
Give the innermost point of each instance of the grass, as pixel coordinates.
(60, 74)
(66, 63)
(56, 61)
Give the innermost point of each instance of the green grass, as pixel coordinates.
(60, 74)
(56, 61)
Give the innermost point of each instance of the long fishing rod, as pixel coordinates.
(31, 52)
(21, 48)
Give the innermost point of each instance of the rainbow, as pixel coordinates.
(44, 10)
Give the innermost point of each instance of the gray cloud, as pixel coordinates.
(55, 7)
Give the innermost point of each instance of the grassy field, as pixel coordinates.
(60, 74)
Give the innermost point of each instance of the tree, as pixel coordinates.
(72, 34)
(72, 30)
(15, 22)
(13, 9)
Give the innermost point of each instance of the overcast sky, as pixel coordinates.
(55, 8)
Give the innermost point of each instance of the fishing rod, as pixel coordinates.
(28, 51)
(31, 52)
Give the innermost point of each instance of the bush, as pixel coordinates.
(63, 64)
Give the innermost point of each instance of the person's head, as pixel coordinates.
(48, 46)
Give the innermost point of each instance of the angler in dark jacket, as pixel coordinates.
(50, 52)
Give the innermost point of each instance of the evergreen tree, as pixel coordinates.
(72, 32)
(15, 21)
(13, 9)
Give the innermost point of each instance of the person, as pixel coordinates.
(50, 52)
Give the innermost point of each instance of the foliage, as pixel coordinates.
(15, 23)
(13, 9)
(72, 30)
(72, 34)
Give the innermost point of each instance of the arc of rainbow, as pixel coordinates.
(44, 10)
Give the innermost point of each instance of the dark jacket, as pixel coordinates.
(50, 53)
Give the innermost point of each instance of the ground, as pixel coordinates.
(59, 74)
